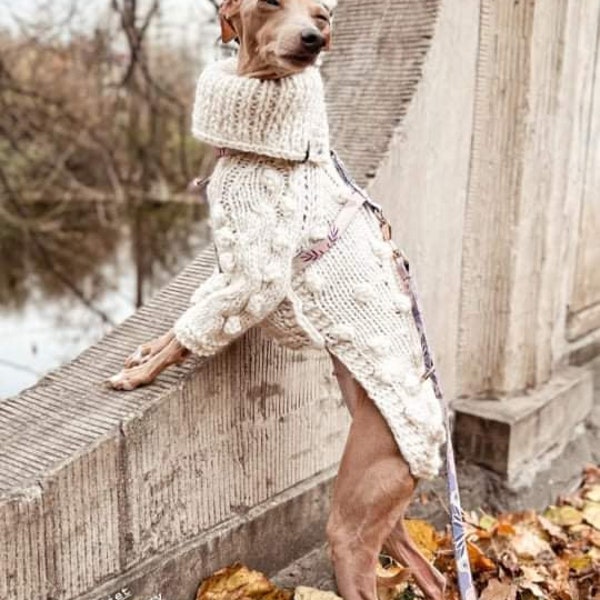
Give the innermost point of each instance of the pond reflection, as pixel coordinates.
(71, 271)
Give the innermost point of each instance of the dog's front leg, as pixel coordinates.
(146, 352)
(153, 359)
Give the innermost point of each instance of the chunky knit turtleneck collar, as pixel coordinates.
(283, 118)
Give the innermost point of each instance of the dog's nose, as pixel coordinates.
(312, 40)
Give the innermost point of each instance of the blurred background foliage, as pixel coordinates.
(96, 154)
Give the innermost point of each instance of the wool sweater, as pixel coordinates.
(273, 196)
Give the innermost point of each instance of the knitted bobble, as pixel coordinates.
(379, 345)
(383, 251)
(342, 333)
(281, 242)
(341, 199)
(288, 205)
(271, 273)
(256, 306)
(227, 262)
(403, 303)
(319, 232)
(272, 181)
(412, 383)
(233, 326)
(365, 293)
(224, 237)
(384, 375)
(217, 217)
(313, 281)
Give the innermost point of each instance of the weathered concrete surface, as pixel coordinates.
(265, 538)
(313, 570)
(423, 181)
(514, 436)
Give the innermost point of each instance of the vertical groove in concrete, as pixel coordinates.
(512, 287)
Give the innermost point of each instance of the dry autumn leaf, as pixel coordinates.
(306, 593)
(392, 576)
(563, 515)
(497, 590)
(554, 531)
(237, 582)
(424, 536)
(591, 514)
(593, 494)
(479, 561)
(527, 544)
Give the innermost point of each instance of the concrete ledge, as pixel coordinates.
(267, 538)
(514, 436)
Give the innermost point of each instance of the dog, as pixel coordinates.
(274, 193)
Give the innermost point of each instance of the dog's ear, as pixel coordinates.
(228, 9)
(328, 39)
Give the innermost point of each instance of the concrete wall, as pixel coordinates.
(476, 123)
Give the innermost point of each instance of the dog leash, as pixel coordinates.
(306, 257)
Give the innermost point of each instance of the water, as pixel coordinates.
(75, 270)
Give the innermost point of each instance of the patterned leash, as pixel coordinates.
(461, 555)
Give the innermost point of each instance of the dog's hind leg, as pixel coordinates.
(371, 492)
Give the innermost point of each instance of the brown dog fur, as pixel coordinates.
(374, 485)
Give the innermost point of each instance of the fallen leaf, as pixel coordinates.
(479, 561)
(497, 590)
(505, 529)
(580, 563)
(306, 593)
(238, 582)
(563, 515)
(424, 536)
(593, 494)
(487, 522)
(391, 576)
(533, 588)
(554, 531)
(533, 575)
(529, 545)
(591, 514)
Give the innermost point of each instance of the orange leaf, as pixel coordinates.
(479, 561)
(424, 536)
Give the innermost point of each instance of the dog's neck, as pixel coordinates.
(284, 118)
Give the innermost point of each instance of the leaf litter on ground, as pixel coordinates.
(524, 555)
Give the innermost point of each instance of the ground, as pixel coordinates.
(553, 554)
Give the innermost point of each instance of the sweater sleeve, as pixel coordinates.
(255, 226)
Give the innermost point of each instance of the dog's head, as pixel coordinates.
(277, 37)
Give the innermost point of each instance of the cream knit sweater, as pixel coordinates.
(273, 200)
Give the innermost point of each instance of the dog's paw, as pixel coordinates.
(122, 382)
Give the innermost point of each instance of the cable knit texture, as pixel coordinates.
(264, 210)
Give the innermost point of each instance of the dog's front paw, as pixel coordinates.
(125, 381)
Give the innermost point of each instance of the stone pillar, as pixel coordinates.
(519, 234)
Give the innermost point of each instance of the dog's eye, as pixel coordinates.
(272, 2)
(323, 18)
